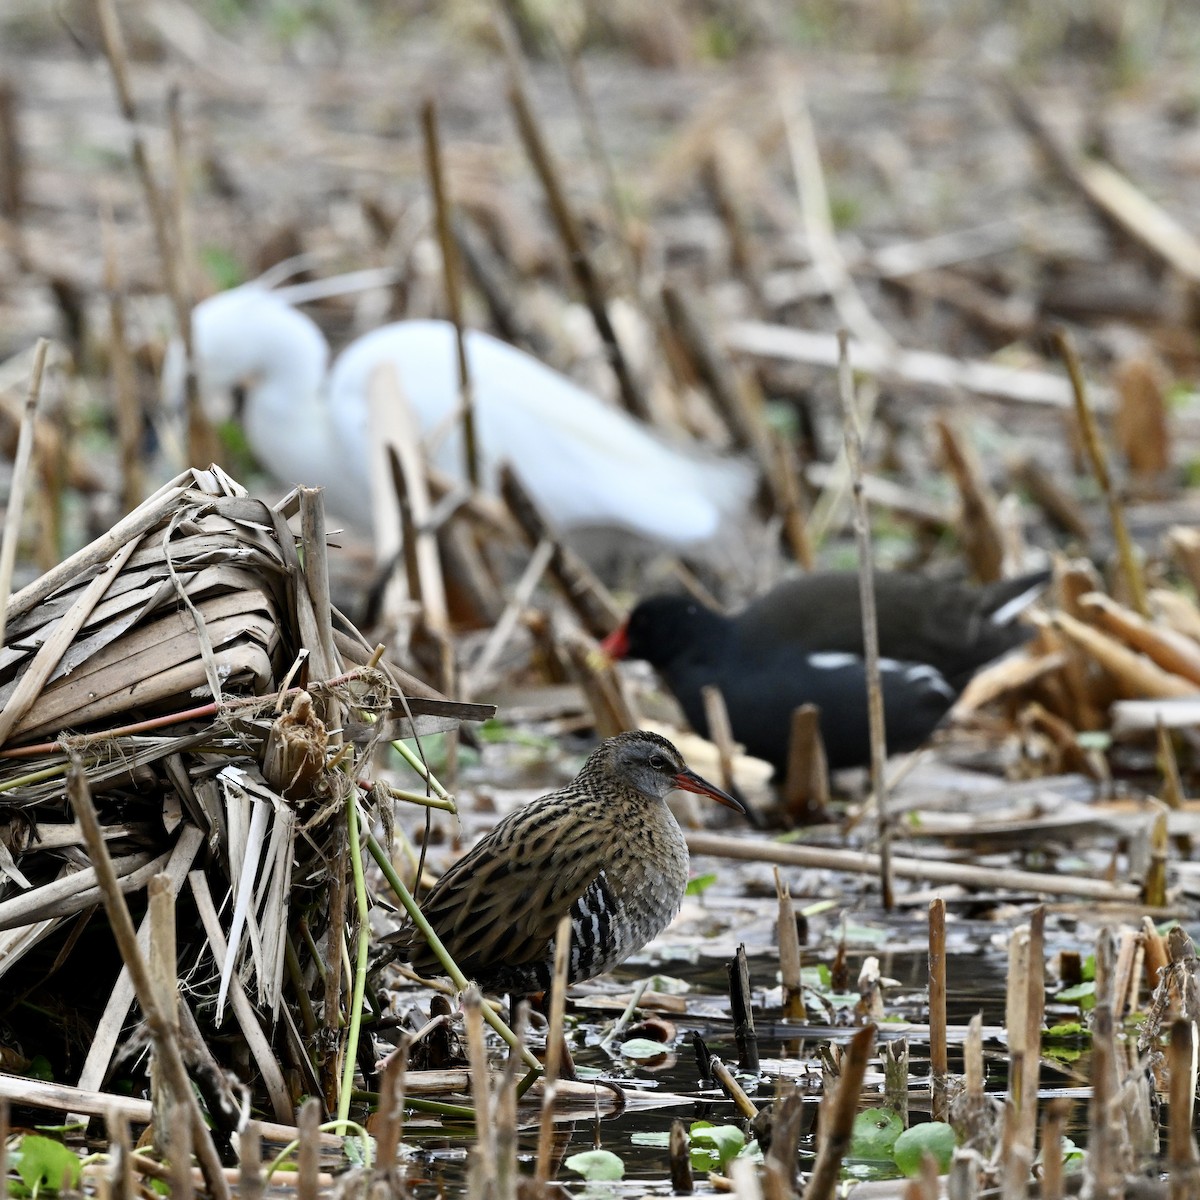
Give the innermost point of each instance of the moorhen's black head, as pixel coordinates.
(663, 629)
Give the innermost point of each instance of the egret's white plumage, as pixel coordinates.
(585, 462)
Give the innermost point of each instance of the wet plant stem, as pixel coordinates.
(360, 966)
(459, 980)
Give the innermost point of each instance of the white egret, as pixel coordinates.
(586, 463)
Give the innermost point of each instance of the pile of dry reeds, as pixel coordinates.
(188, 671)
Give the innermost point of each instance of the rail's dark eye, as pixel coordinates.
(658, 762)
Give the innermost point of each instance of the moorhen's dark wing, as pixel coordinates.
(950, 626)
(761, 696)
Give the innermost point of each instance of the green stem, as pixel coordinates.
(420, 798)
(36, 776)
(341, 1125)
(414, 761)
(360, 971)
(459, 980)
(438, 1108)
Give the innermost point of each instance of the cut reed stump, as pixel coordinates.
(167, 658)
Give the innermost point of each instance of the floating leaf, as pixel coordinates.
(643, 1049)
(669, 985)
(715, 1146)
(933, 1137)
(699, 884)
(1083, 994)
(597, 1166)
(44, 1164)
(875, 1133)
(660, 1139)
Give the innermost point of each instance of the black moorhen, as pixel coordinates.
(801, 643)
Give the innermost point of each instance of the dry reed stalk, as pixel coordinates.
(963, 1182)
(1059, 508)
(179, 1140)
(15, 508)
(729, 391)
(1098, 460)
(1154, 891)
(1133, 675)
(1172, 651)
(866, 583)
(728, 1083)
(1031, 1042)
(682, 1183)
(742, 1010)
(979, 530)
(452, 276)
(805, 159)
(1101, 1166)
(1118, 201)
(390, 1128)
(790, 969)
(863, 863)
(1184, 543)
(894, 1055)
(779, 1169)
(727, 161)
(126, 938)
(806, 781)
(579, 257)
(1154, 956)
(481, 1158)
(841, 1110)
(121, 373)
(398, 470)
(720, 733)
(243, 1011)
(939, 1063)
(1181, 1099)
(308, 1153)
(1141, 423)
(555, 1044)
(503, 629)
(161, 964)
(121, 1177)
(250, 1185)
(1053, 1131)
(201, 443)
(1176, 611)
(108, 1029)
(589, 598)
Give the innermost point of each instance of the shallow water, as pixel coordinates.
(975, 984)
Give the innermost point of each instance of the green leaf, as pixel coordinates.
(934, 1137)
(596, 1166)
(644, 1048)
(1083, 994)
(44, 1164)
(719, 1143)
(1066, 1029)
(875, 1133)
(670, 985)
(40, 1068)
(223, 269)
(660, 1139)
(699, 884)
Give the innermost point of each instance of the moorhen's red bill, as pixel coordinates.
(801, 643)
